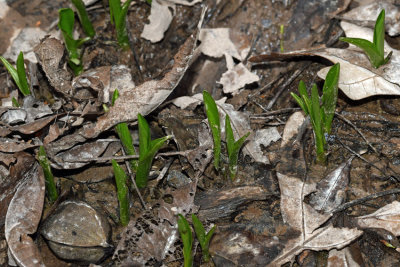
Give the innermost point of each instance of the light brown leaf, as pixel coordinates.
(23, 216)
(387, 217)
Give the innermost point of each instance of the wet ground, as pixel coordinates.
(249, 212)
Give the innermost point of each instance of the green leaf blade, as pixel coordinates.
(23, 82)
(213, 120)
(66, 20)
(329, 96)
(84, 18)
(187, 239)
(369, 48)
(122, 191)
(230, 139)
(144, 136)
(51, 188)
(379, 34)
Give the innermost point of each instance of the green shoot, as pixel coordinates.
(118, 18)
(374, 50)
(187, 239)
(321, 116)
(125, 136)
(122, 191)
(18, 74)
(147, 150)
(15, 103)
(84, 18)
(213, 121)
(233, 147)
(66, 24)
(281, 32)
(204, 239)
(51, 189)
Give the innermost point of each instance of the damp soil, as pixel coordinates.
(255, 214)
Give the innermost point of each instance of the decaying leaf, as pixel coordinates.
(23, 216)
(146, 242)
(387, 217)
(160, 18)
(292, 127)
(33, 127)
(342, 258)
(50, 53)
(96, 79)
(146, 97)
(10, 145)
(9, 185)
(67, 159)
(237, 78)
(365, 16)
(331, 190)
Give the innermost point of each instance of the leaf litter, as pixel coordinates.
(268, 219)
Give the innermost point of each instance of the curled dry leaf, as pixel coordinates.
(10, 145)
(33, 127)
(365, 16)
(50, 54)
(387, 217)
(23, 216)
(331, 190)
(145, 240)
(8, 186)
(97, 79)
(146, 97)
(67, 159)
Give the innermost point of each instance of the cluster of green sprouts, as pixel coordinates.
(321, 114)
(66, 24)
(374, 50)
(233, 146)
(204, 238)
(147, 151)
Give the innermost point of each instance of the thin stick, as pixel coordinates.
(286, 84)
(132, 175)
(164, 170)
(357, 130)
(364, 199)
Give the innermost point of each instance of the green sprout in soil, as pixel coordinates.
(66, 24)
(187, 239)
(147, 150)
(118, 18)
(18, 74)
(122, 191)
(375, 51)
(203, 237)
(84, 18)
(321, 116)
(213, 121)
(48, 175)
(233, 147)
(125, 136)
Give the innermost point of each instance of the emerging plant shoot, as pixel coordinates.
(375, 50)
(321, 116)
(18, 74)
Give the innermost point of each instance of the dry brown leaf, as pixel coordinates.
(147, 96)
(160, 18)
(341, 258)
(331, 191)
(8, 186)
(10, 145)
(98, 80)
(23, 216)
(50, 53)
(33, 127)
(387, 217)
(67, 159)
(292, 127)
(237, 78)
(144, 241)
(365, 15)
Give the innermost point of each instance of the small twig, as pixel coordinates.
(357, 130)
(164, 170)
(286, 84)
(364, 199)
(273, 112)
(358, 155)
(132, 175)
